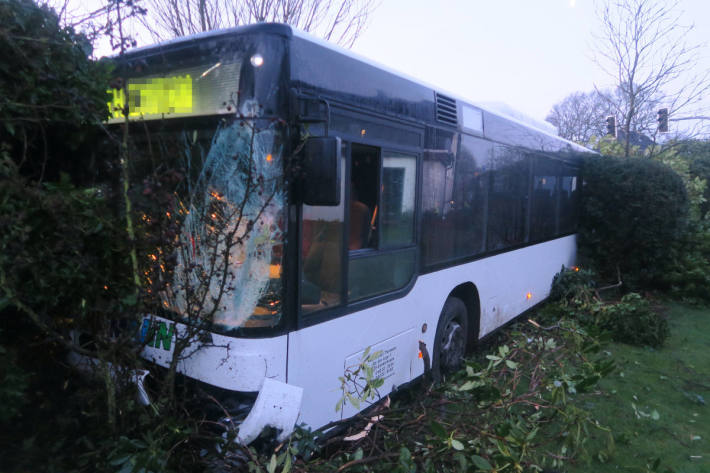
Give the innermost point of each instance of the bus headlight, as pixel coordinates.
(257, 60)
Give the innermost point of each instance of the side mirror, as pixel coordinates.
(321, 171)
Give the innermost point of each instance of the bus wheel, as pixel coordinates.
(450, 339)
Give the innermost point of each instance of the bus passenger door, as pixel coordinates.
(357, 261)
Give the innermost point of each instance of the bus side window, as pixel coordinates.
(569, 200)
(508, 198)
(390, 207)
(543, 208)
(399, 175)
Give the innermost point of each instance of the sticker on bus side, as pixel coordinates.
(157, 333)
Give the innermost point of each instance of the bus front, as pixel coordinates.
(204, 120)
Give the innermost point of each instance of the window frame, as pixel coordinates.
(379, 250)
(304, 320)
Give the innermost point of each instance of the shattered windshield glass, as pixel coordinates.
(220, 228)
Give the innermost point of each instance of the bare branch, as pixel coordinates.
(340, 21)
(643, 47)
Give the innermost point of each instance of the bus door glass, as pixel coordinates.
(374, 222)
(322, 253)
(381, 221)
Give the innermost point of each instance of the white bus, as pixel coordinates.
(399, 219)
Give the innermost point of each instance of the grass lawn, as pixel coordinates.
(657, 402)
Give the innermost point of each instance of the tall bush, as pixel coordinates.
(697, 153)
(635, 212)
(689, 278)
(62, 251)
(50, 90)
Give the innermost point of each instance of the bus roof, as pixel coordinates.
(503, 117)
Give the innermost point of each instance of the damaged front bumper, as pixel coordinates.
(233, 366)
(277, 404)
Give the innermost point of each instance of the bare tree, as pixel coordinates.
(582, 115)
(107, 24)
(644, 47)
(340, 21)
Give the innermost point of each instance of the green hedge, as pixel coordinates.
(635, 213)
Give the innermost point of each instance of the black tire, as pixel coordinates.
(450, 339)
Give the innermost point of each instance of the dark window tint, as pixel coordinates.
(370, 275)
(437, 198)
(543, 208)
(508, 198)
(469, 207)
(569, 199)
(372, 129)
(364, 197)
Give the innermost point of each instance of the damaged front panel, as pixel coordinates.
(231, 243)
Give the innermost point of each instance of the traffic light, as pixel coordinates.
(611, 125)
(663, 120)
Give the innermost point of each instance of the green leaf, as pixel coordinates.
(438, 430)
(511, 364)
(481, 463)
(354, 401)
(457, 445)
(120, 460)
(655, 415)
(271, 467)
(656, 464)
(287, 464)
(531, 435)
(461, 459)
(404, 455)
(127, 467)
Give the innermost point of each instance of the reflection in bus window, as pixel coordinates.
(470, 196)
(322, 249)
(508, 199)
(437, 197)
(569, 200)
(375, 274)
(399, 176)
(543, 210)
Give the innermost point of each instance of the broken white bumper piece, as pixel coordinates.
(277, 406)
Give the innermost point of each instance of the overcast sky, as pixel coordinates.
(529, 54)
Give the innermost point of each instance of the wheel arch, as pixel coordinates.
(468, 293)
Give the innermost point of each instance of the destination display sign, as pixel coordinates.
(202, 90)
